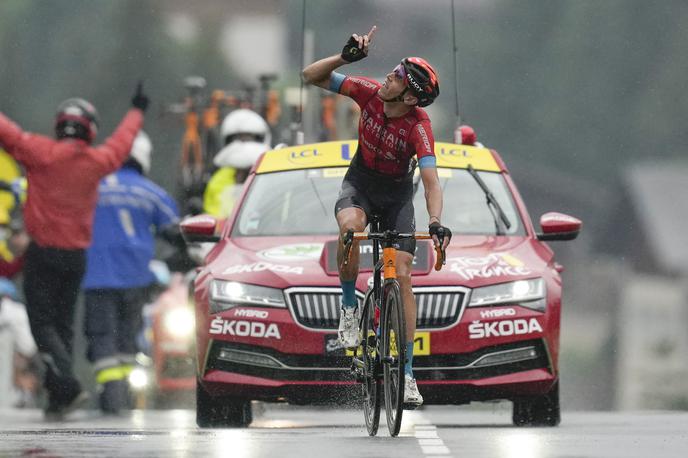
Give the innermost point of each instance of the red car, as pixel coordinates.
(267, 297)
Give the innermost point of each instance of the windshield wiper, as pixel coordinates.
(496, 211)
(317, 194)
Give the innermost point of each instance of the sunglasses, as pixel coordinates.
(400, 72)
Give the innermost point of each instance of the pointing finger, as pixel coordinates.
(372, 31)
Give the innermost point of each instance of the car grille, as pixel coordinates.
(318, 308)
(438, 309)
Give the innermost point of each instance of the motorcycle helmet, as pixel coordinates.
(246, 136)
(141, 151)
(76, 118)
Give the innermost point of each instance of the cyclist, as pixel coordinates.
(63, 176)
(393, 128)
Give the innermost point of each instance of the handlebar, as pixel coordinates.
(350, 236)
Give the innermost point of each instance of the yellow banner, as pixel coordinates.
(340, 153)
(315, 155)
(459, 156)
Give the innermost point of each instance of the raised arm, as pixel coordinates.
(27, 148)
(116, 148)
(318, 73)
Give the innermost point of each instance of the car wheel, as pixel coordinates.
(540, 410)
(219, 412)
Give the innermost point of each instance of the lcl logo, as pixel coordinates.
(304, 156)
(454, 154)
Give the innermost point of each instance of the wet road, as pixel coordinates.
(283, 431)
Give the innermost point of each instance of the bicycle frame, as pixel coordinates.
(384, 268)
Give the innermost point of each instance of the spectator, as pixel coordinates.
(246, 136)
(13, 239)
(17, 348)
(131, 210)
(63, 176)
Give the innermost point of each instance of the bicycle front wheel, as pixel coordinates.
(372, 389)
(393, 355)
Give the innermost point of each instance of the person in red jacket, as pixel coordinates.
(63, 176)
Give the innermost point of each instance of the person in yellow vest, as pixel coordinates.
(246, 136)
(13, 244)
(9, 174)
(12, 193)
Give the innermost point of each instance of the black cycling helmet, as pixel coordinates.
(422, 80)
(76, 118)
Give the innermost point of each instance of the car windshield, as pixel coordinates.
(465, 209)
(301, 202)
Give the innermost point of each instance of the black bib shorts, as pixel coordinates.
(377, 194)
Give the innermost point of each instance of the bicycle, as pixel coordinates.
(382, 352)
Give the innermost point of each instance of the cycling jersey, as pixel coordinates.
(386, 145)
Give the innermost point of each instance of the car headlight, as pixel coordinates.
(225, 295)
(179, 322)
(527, 293)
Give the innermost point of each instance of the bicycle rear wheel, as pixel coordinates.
(372, 389)
(393, 355)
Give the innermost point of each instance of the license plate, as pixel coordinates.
(421, 345)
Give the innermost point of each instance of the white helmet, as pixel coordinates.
(245, 121)
(238, 153)
(141, 151)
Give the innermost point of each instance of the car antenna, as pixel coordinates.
(299, 125)
(457, 131)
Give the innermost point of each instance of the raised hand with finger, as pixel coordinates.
(140, 100)
(357, 46)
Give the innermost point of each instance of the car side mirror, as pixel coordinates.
(558, 227)
(201, 228)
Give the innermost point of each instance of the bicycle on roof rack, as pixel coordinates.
(378, 362)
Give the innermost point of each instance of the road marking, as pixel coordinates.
(437, 441)
(428, 439)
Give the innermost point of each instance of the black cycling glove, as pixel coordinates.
(440, 231)
(140, 100)
(351, 51)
